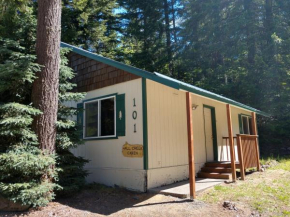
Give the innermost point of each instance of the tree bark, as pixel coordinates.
(269, 29)
(173, 20)
(250, 30)
(45, 87)
(168, 38)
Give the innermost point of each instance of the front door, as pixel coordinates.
(210, 133)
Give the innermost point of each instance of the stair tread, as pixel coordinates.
(215, 167)
(215, 173)
(224, 165)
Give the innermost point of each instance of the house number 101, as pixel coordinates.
(134, 114)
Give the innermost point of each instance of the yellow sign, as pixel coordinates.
(132, 150)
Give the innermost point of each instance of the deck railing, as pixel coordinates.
(248, 152)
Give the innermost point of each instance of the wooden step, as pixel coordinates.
(214, 175)
(216, 169)
(218, 164)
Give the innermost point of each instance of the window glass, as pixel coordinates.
(251, 126)
(107, 117)
(99, 117)
(245, 125)
(91, 119)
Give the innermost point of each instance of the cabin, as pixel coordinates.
(143, 129)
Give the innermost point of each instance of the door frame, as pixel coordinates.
(214, 133)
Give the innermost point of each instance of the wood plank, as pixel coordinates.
(218, 164)
(248, 136)
(214, 175)
(216, 170)
(246, 152)
(190, 147)
(254, 125)
(241, 159)
(232, 150)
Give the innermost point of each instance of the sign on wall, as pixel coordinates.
(132, 150)
(134, 115)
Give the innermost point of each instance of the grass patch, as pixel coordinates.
(284, 164)
(267, 193)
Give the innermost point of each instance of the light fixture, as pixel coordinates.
(194, 106)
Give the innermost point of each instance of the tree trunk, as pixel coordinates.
(250, 30)
(173, 21)
(168, 39)
(269, 30)
(45, 87)
(175, 37)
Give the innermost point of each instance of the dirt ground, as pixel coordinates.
(97, 200)
(123, 203)
(118, 202)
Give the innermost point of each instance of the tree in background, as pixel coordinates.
(136, 32)
(93, 25)
(239, 49)
(144, 34)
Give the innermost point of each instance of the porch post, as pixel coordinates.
(254, 125)
(190, 147)
(232, 148)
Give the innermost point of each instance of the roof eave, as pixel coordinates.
(157, 77)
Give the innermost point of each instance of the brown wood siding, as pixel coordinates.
(92, 75)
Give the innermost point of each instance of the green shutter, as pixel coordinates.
(120, 113)
(240, 124)
(80, 117)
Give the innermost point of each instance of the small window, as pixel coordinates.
(247, 126)
(100, 118)
(251, 126)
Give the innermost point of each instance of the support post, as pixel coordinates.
(231, 139)
(254, 125)
(190, 147)
(241, 157)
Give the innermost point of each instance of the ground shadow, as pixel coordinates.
(101, 200)
(111, 200)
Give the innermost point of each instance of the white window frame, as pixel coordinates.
(248, 122)
(99, 118)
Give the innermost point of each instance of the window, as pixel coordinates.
(246, 125)
(100, 118)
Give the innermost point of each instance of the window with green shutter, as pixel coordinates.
(102, 117)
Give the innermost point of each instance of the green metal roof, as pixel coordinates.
(160, 78)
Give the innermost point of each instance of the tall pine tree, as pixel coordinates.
(22, 163)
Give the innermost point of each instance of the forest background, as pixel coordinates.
(238, 49)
